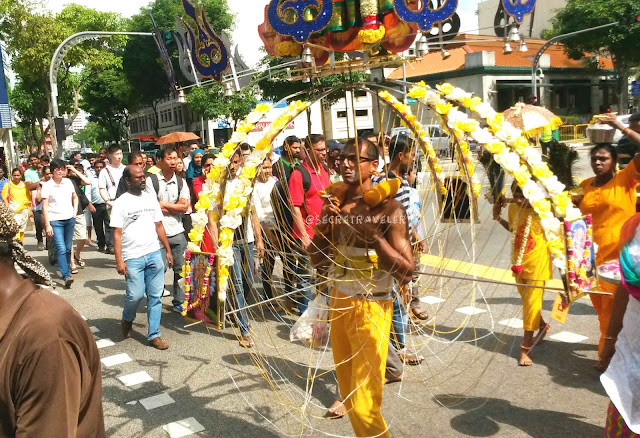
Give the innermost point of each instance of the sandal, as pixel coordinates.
(246, 341)
(411, 358)
(419, 314)
(80, 262)
(74, 270)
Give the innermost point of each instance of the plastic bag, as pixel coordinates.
(312, 328)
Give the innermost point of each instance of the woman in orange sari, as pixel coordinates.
(610, 198)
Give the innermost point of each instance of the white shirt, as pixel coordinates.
(262, 201)
(104, 182)
(137, 216)
(60, 198)
(382, 162)
(186, 161)
(169, 193)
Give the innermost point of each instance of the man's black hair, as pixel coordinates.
(367, 149)
(44, 169)
(367, 134)
(167, 150)
(15, 169)
(126, 173)
(399, 143)
(113, 148)
(313, 139)
(635, 118)
(74, 161)
(34, 155)
(57, 163)
(207, 157)
(46, 158)
(135, 154)
(245, 147)
(291, 140)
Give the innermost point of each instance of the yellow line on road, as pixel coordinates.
(480, 271)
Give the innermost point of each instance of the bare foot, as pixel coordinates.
(337, 409)
(541, 334)
(525, 360)
(394, 379)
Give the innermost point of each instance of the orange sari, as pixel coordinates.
(610, 206)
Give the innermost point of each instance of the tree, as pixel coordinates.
(619, 42)
(211, 103)
(141, 60)
(109, 98)
(31, 39)
(92, 135)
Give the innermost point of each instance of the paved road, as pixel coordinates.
(469, 384)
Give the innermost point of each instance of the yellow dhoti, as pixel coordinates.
(360, 339)
(532, 296)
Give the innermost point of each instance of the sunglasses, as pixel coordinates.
(353, 159)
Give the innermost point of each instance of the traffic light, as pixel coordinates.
(166, 36)
(63, 126)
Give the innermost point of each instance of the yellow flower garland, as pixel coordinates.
(511, 152)
(429, 152)
(210, 196)
(237, 194)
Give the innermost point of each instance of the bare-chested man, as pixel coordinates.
(365, 249)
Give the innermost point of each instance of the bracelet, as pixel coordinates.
(624, 130)
(611, 338)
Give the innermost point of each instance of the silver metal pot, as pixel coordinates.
(601, 134)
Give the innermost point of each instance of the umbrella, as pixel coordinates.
(532, 120)
(177, 137)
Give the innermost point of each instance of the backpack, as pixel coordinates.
(281, 201)
(155, 182)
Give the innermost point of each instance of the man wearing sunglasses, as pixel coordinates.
(365, 250)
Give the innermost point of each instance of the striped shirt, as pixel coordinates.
(403, 197)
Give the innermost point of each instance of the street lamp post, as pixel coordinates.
(57, 59)
(545, 46)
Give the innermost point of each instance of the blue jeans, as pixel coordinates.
(298, 276)
(145, 275)
(400, 321)
(242, 280)
(63, 239)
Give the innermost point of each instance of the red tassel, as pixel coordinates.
(516, 269)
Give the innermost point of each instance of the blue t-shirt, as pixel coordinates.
(3, 181)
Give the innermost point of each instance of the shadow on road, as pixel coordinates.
(482, 417)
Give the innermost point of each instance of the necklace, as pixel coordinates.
(517, 256)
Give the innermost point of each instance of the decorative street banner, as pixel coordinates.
(208, 52)
(5, 110)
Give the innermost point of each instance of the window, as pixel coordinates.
(435, 132)
(362, 113)
(342, 114)
(359, 94)
(169, 115)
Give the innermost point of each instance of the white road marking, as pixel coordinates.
(102, 343)
(179, 429)
(135, 378)
(94, 329)
(512, 322)
(431, 300)
(157, 401)
(116, 359)
(470, 310)
(569, 337)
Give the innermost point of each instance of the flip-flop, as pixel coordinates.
(74, 270)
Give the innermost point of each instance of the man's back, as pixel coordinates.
(50, 372)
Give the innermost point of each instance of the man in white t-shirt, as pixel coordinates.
(108, 184)
(264, 210)
(136, 219)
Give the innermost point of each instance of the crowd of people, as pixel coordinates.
(140, 215)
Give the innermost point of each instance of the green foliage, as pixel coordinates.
(109, 97)
(93, 135)
(211, 103)
(562, 159)
(141, 60)
(276, 86)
